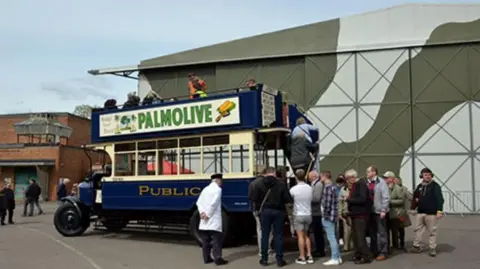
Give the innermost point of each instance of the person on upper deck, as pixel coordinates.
(252, 84)
(196, 86)
(132, 100)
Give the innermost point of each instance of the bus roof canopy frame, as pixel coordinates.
(124, 71)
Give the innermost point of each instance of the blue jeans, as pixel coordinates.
(329, 227)
(272, 218)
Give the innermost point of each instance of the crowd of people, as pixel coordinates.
(347, 211)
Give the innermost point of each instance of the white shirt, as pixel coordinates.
(302, 199)
(210, 203)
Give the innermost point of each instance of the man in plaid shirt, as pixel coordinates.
(330, 217)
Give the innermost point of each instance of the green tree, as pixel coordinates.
(84, 111)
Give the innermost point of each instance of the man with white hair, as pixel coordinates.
(359, 209)
(317, 226)
(62, 190)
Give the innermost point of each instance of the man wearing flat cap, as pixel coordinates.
(209, 205)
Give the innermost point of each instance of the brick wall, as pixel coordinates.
(80, 133)
(29, 153)
(81, 130)
(70, 161)
(74, 164)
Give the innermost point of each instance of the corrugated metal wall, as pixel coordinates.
(399, 109)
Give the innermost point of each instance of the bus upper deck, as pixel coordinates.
(264, 107)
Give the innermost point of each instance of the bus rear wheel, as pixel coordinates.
(228, 229)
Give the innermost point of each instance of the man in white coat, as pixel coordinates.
(209, 205)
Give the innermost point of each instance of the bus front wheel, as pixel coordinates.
(68, 221)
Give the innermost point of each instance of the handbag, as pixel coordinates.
(404, 220)
(263, 203)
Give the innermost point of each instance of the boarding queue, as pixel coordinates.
(365, 215)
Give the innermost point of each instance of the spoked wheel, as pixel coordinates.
(67, 221)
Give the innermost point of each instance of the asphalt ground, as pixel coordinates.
(34, 243)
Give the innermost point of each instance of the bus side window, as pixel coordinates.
(125, 159)
(190, 151)
(146, 158)
(240, 159)
(167, 157)
(215, 154)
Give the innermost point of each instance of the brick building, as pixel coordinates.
(33, 147)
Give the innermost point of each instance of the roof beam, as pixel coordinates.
(126, 71)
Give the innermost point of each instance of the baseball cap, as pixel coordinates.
(389, 174)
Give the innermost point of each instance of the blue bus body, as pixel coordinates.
(143, 199)
(166, 195)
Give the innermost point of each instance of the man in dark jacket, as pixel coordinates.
(32, 195)
(252, 189)
(270, 200)
(428, 201)
(359, 209)
(9, 202)
(301, 153)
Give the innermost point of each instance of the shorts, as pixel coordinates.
(302, 223)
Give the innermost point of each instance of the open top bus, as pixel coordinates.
(162, 156)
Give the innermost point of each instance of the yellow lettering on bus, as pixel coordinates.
(177, 193)
(194, 191)
(167, 192)
(146, 190)
(143, 189)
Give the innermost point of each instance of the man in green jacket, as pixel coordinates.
(397, 208)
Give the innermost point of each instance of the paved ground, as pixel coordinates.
(34, 243)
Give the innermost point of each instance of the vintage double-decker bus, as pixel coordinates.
(164, 154)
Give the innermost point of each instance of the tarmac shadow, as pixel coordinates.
(239, 255)
(144, 236)
(445, 248)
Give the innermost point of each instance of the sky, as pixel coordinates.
(47, 47)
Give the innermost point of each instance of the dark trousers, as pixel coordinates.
(212, 242)
(3, 212)
(372, 233)
(359, 226)
(272, 218)
(318, 235)
(340, 229)
(30, 202)
(401, 233)
(10, 214)
(382, 239)
(394, 230)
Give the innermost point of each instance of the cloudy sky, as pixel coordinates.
(46, 47)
